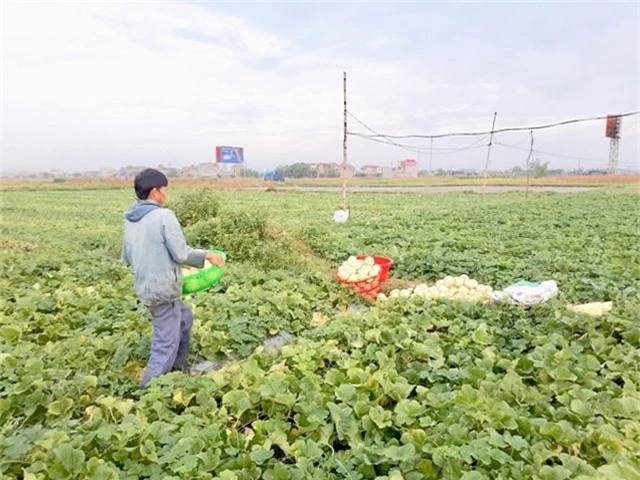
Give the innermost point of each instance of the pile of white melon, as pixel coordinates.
(460, 288)
(188, 270)
(355, 270)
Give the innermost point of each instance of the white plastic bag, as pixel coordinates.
(341, 216)
(528, 293)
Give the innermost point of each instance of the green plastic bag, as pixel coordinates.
(205, 278)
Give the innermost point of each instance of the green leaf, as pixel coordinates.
(277, 472)
(237, 400)
(98, 470)
(582, 408)
(563, 373)
(551, 430)
(60, 407)
(71, 459)
(481, 335)
(307, 448)
(260, 454)
(457, 431)
(228, 475)
(345, 392)
(8, 361)
(334, 377)
(622, 469)
(381, 417)
(500, 457)
(345, 424)
(148, 451)
(628, 407)
(10, 333)
(399, 454)
(88, 381)
(554, 473)
(407, 411)
(473, 476)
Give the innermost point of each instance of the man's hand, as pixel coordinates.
(215, 259)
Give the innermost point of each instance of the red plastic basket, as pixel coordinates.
(370, 287)
(384, 262)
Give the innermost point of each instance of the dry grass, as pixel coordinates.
(252, 183)
(16, 246)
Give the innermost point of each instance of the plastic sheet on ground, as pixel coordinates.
(271, 345)
(528, 293)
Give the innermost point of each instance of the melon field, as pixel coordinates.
(408, 388)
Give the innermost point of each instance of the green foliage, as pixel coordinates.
(332, 173)
(250, 173)
(588, 243)
(539, 169)
(403, 390)
(196, 206)
(245, 237)
(298, 170)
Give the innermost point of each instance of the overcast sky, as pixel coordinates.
(106, 84)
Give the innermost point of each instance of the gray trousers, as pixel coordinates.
(172, 324)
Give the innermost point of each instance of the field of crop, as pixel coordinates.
(403, 389)
(252, 183)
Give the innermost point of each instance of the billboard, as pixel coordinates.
(229, 155)
(612, 129)
(409, 162)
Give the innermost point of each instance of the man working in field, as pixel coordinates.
(155, 247)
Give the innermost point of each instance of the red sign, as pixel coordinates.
(409, 162)
(612, 129)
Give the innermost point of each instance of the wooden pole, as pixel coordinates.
(527, 165)
(344, 144)
(486, 166)
(431, 157)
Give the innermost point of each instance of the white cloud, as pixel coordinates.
(106, 84)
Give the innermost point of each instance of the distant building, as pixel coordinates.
(107, 173)
(188, 172)
(206, 170)
(371, 170)
(323, 169)
(130, 171)
(237, 169)
(58, 174)
(407, 168)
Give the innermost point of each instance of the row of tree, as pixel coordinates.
(304, 170)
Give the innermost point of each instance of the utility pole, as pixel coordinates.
(486, 166)
(431, 157)
(344, 144)
(527, 163)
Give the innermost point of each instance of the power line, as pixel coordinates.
(389, 139)
(501, 130)
(378, 135)
(570, 157)
(376, 138)
(520, 142)
(412, 148)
